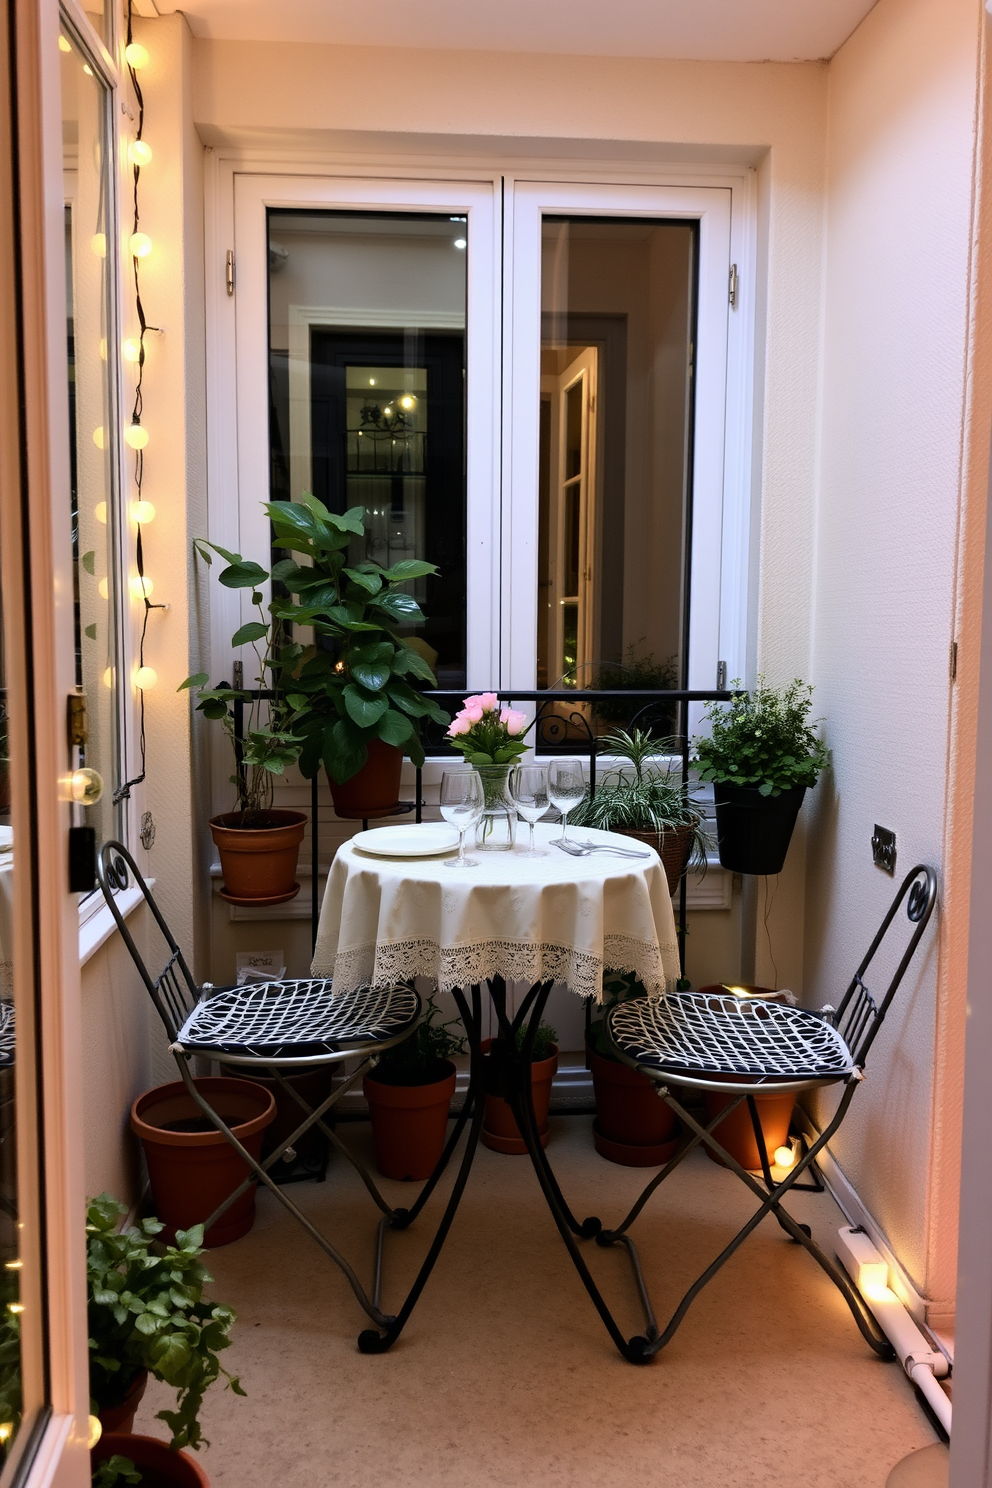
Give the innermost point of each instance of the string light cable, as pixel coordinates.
(136, 435)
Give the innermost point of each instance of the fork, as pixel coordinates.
(583, 849)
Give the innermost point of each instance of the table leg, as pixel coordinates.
(370, 1341)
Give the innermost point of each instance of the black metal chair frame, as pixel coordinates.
(177, 998)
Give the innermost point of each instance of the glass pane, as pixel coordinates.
(618, 306)
(367, 392)
(86, 166)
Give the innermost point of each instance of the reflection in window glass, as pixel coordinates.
(88, 245)
(367, 391)
(617, 300)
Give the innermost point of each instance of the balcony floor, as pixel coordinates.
(505, 1378)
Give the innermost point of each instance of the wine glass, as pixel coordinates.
(566, 787)
(529, 789)
(462, 802)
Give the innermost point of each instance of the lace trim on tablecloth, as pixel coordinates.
(464, 966)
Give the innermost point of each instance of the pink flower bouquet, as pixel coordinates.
(488, 734)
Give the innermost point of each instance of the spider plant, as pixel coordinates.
(640, 796)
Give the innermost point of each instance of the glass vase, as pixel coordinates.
(497, 827)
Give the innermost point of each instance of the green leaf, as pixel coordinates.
(480, 759)
(347, 751)
(410, 663)
(395, 728)
(352, 521)
(253, 631)
(399, 606)
(372, 664)
(363, 710)
(370, 582)
(198, 679)
(409, 568)
(242, 576)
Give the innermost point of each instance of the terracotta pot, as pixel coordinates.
(500, 1131)
(159, 1465)
(314, 1085)
(754, 831)
(409, 1124)
(259, 861)
(191, 1166)
(121, 1417)
(633, 1126)
(375, 789)
(674, 848)
(774, 1111)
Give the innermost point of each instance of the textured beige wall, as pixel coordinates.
(892, 494)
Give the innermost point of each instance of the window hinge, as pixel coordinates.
(229, 272)
(731, 286)
(721, 676)
(953, 668)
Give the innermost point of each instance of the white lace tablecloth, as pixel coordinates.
(553, 918)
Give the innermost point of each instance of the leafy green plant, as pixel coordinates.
(764, 738)
(545, 1040)
(651, 799)
(635, 673)
(420, 1059)
(116, 1469)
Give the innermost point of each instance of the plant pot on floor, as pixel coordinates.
(120, 1417)
(314, 1086)
(409, 1123)
(258, 853)
(633, 1126)
(736, 1131)
(191, 1167)
(673, 846)
(159, 1465)
(375, 789)
(500, 1131)
(754, 831)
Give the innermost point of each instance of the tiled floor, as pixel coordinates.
(505, 1377)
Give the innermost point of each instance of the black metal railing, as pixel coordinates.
(566, 722)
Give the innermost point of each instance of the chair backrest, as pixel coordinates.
(860, 1014)
(173, 990)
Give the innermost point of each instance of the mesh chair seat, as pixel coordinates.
(300, 1019)
(8, 1035)
(718, 1037)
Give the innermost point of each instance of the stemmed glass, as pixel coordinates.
(529, 789)
(566, 787)
(462, 802)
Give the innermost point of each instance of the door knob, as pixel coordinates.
(85, 786)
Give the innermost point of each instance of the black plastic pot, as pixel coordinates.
(754, 831)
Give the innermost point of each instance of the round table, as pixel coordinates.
(554, 918)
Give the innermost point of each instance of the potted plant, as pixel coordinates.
(353, 694)
(634, 1126)
(258, 845)
(499, 1125)
(762, 754)
(409, 1095)
(147, 1315)
(653, 804)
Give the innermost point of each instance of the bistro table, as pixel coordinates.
(542, 920)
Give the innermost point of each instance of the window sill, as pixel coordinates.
(100, 926)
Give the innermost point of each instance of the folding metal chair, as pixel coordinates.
(275, 1027)
(704, 1042)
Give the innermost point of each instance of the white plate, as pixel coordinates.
(424, 841)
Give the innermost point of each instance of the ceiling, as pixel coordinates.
(709, 30)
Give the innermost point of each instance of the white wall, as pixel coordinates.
(900, 142)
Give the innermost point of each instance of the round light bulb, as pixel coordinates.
(784, 1157)
(139, 153)
(141, 586)
(103, 589)
(136, 435)
(100, 437)
(139, 245)
(103, 348)
(108, 677)
(85, 786)
(100, 512)
(64, 44)
(132, 349)
(135, 55)
(142, 512)
(461, 243)
(371, 382)
(98, 243)
(145, 677)
(407, 402)
(95, 1431)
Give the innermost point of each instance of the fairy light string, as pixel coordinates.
(136, 436)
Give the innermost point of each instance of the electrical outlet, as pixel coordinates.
(883, 848)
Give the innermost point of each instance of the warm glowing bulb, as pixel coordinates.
(388, 411)
(132, 349)
(461, 243)
(141, 585)
(136, 435)
(139, 244)
(407, 402)
(95, 1430)
(5, 1431)
(145, 677)
(64, 44)
(139, 153)
(98, 243)
(108, 677)
(100, 512)
(784, 1157)
(142, 512)
(15, 1306)
(13, 1265)
(103, 348)
(100, 438)
(135, 55)
(371, 382)
(103, 589)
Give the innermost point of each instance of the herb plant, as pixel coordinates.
(545, 1040)
(764, 738)
(420, 1059)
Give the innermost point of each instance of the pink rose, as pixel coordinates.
(488, 701)
(515, 721)
(472, 702)
(459, 725)
(474, 714)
